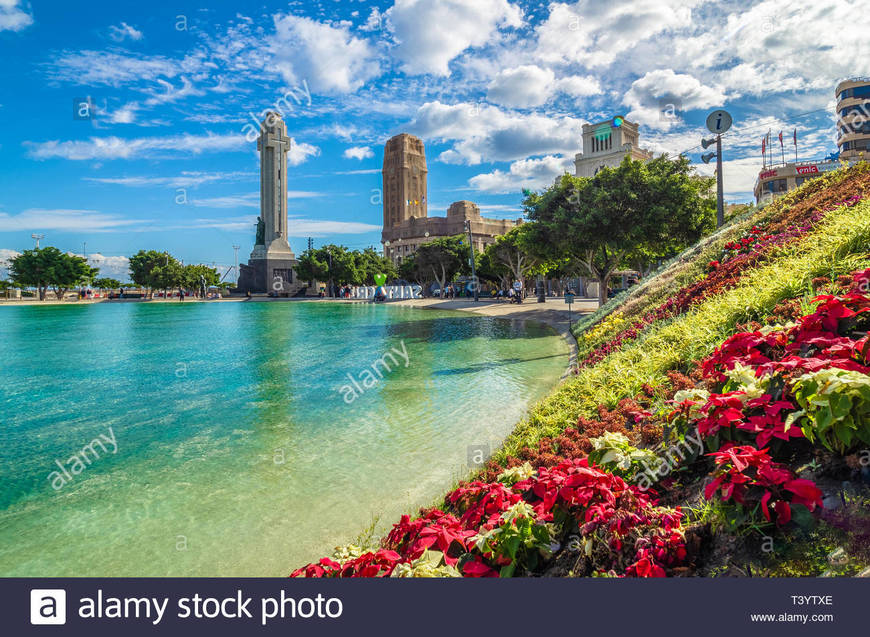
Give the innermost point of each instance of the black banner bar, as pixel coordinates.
(733, 607)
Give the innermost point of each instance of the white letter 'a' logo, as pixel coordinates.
(47, 606)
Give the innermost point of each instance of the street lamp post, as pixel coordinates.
(718, 122)
(471, 260)
(329, 251)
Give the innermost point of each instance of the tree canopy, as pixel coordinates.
(632, 214)
(353, 267)
(106, 283)
(442, 259)
(155, 270)
(512, 255)
(49, 267)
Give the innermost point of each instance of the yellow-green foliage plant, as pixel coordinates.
(838, 245)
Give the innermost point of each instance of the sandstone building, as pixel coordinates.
(606, 144)
(407, 223)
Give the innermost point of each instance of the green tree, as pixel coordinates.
(106, 283)
(409, 270)
(32, 268)
(635, 212)
(49, 267)
(142, 266)
(193, 276)
(444, 258)
(330, 263)
(70, 271)
(368, 263)
(311, 267)
(168, 276)
(513, 254)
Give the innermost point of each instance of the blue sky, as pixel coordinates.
(498, 91)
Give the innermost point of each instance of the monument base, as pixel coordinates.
(267, 275)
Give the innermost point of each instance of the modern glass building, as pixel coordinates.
(853, 117)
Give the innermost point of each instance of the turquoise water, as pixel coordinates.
(234, 450)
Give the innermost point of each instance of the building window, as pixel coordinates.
(858, 91)
(860, 144)
(776, 185)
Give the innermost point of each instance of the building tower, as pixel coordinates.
(853, 117)
(606, 144)
(273, 145)
(404, 176)
(270, 268)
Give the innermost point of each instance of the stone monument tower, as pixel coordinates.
(404, 180)
(270, 268)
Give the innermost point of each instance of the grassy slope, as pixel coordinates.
(837, 245)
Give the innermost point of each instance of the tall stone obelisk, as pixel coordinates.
(270, 268)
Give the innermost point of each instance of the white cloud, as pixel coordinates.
(172, 94)
(659, 94)
(137, 148)
(777, 45)
(232, 201)
(87, 68)
(375, 21)
(595, 32)
(530, 85)
(124, 115)
(110, 267)
(525, 173)
(738, 176)
(5, 255)
(156, 147)
(324, 228)
(297, 227)
(251, 200)
(358, 152)
(578, 86)
(431, 33)
(13, 16)
(364, 171)
(185, 179)
(486, 133)
(123, 32)
(300, 152)
(522, 87)
(64, 221)
(329, 58)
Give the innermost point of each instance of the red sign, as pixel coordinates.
(765, 175)
(807, 170)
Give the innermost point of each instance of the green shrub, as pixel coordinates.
(835, 408)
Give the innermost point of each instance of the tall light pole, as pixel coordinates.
(236, 263)
(471, 258)
(718, 122)
(37, 237)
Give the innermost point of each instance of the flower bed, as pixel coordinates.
(577, 477)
